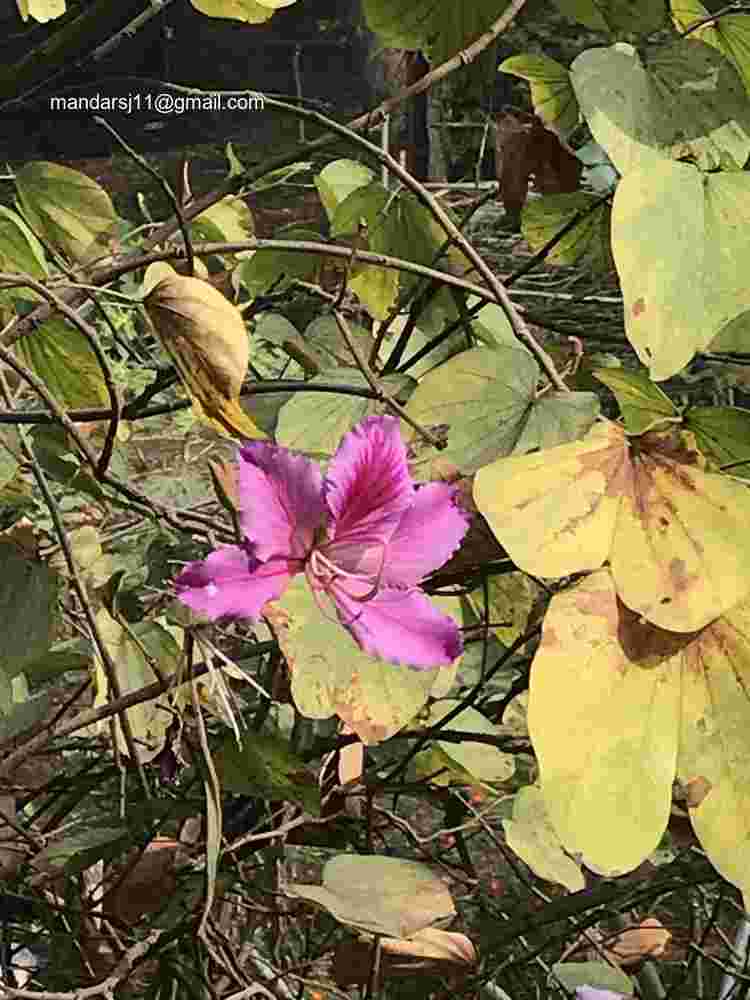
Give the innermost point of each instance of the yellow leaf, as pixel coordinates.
(675, 534)
(206, 338)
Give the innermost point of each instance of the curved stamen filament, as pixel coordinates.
(322, 567)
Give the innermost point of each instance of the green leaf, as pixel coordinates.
(66, 208)
(615, 16)
(531, 836)
(20, 252)
(723, 434)
(226, 221)
(366, 202)
(483, 761)
(315, 422)
(28, 597)
(682, 269)
(20, 715)
(63, 359)
(380, 895)
(264, 765)
(552, 94)
(332, 676)
(642, 404)
(9, 453)
(338, 180)
(730, 34)
(687, 101)
(597, 974)
(487, 397)
(587, 241)
(279, 268)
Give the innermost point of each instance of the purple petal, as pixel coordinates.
(231, 583)
(426, 537)
(367, 489)
(400, 626)
(281, 500)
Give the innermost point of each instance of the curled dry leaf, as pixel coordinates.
(430, 952)
(205, 336)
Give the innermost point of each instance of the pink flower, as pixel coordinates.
(364, 536)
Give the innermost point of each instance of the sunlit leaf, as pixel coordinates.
(673, 532)
(482, 760)
(551, 92)
(531, 836)
(602, 979)
(487, 399)
(688, 100)
(332, 676)
(249, 11)
(20, 251)
(380, 895)
(678, 298)
(337, 181)
(205, 336)
(607, 757)
(315, 422)
(41, 10)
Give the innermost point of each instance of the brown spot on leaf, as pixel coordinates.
(696, 791)
(639, 307)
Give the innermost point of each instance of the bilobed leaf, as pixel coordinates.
(636, 16)
(687, 101)
(487, 399)
(337, 181)
(332, 676)
(650, 706)
(607, 757)
(588, 240)
(642, 404)
(673, 532)
(28, 597)
(380, 895)
(530, 834)
(723, 435)
(249, 11)
(715, 742)
(315, 422)
(63, 359)
(482, 760)
(679, 299)
(66, 208)
(730, 33)
(551, 92)
(265, 765)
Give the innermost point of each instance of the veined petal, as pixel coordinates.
(231, 583)
(400, 626)
(367, 488)
(426, 537)
(281, 500)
